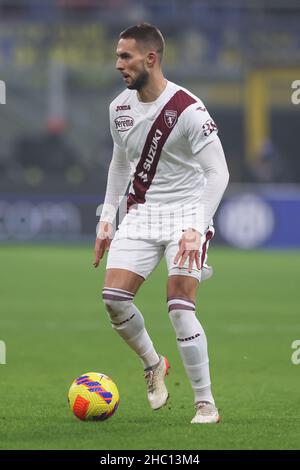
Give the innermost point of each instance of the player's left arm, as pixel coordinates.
(201, 132)
(213, 163)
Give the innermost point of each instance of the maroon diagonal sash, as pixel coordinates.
(156, 138)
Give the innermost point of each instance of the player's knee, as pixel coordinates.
(122, 313)
(117, 310)
(178, 308)
(117, 303)
(116, 299)
(116, 307)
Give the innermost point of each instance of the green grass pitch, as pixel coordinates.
(55, 328)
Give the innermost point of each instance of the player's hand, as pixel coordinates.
(103, 241)
(189, 246)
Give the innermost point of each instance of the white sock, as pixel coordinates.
(128, 322)
(192, 346)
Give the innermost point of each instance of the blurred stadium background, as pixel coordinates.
(57, 61)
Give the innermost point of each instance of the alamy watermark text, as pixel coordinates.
(295, 358)
(295, 97)
(2, 92)
(2, 352)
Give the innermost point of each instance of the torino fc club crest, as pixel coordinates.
(170, 118)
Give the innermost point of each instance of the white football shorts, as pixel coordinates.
(139, 250)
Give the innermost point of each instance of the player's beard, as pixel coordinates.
(140, 82)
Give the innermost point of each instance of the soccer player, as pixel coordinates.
(166, 143)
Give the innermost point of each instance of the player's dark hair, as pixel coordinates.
(147, 34)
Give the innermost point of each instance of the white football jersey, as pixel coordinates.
(160, 140)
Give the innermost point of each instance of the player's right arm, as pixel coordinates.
(117, 182)
(103, 240)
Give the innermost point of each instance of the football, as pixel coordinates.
(93, 396)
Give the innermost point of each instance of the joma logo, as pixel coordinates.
(124, 107)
